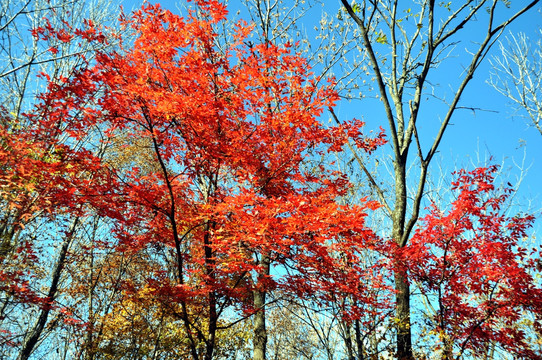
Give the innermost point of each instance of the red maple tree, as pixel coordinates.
(477, 280)
(228, 188)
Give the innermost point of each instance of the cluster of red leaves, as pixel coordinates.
(41, 177)
(470, 264)
(229, 129)
(68, 34)
(27, 192)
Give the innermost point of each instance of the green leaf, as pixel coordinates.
(382, 38)
(356, 7)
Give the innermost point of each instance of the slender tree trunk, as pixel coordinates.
(213, 315)
(402, 287)
(348, 343)
(213, 322)
(34, 334)
(404, 342)
(260, 330)
(359, 340)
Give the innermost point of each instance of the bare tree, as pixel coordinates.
(517, 76)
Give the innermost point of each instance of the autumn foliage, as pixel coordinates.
(201, 155)
(470, 266)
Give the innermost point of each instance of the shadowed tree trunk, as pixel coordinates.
(260, 331)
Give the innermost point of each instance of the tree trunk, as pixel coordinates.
(348, 342)
(210, 266)
(359, 340)
(404, 342)
(404, 335)
(260, 331)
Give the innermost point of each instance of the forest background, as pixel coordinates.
(103, 256)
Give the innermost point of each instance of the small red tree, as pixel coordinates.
(469, 264)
